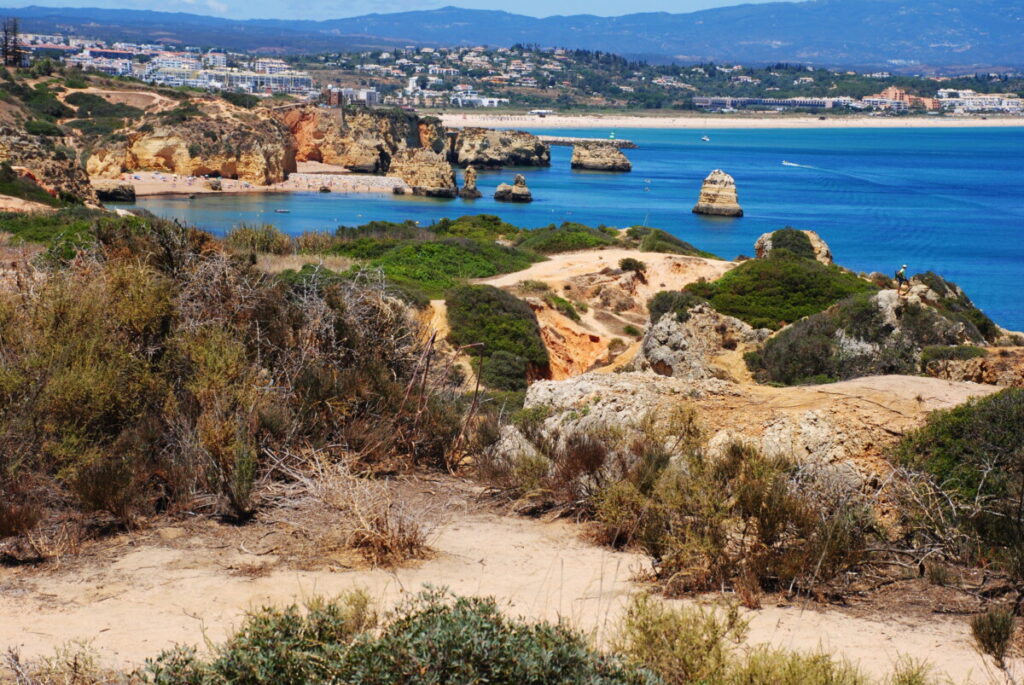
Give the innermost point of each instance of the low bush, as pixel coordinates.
(245, 100)
(90, 105)
(15, 186)
(477, 227)
(564, 238)
(562, 305)
(950, 352)
(492, 321)
(795, 242)
(675, 302)
(42, 127)
(958, 306)
(781, 289)
(655, 240)
(631, 264)
(993, 632)
(265, 239)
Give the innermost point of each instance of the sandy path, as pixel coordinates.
(16, 204)
(155, 596)
(617, 121)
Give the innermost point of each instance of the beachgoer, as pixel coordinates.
(901, 278)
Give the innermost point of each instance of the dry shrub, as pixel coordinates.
(315, 242)
(993, 632)
(264, 239)
(18, 519)
(74, 663)
(370, 518)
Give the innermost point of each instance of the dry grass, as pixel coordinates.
(275, 264)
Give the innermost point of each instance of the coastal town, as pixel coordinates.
(530, 76)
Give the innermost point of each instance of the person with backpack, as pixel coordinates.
(901, 278)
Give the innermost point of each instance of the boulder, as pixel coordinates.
(469, 190)
(113, 191)
(425, 172)
(763, 246)
(718, 196)
(685, 349)
(517, 192)
(486, 148)
(599, 156)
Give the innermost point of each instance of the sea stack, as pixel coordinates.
(718, 196)
(599, 156)
(469, 190)
(517, 192)
(425, 172)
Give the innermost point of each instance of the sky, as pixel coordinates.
(333, 9)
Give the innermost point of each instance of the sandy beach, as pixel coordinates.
(696, 121)
(148, 183)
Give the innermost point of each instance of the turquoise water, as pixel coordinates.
(949, 200)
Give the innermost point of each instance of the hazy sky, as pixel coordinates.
(329, 9)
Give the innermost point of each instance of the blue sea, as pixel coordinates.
(947, 200)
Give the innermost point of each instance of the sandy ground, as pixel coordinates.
(163, 591)
(617, 121)
(16, 204)
(158, 183)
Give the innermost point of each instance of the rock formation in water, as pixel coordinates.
(469, 190)
(114, 191)
(253, 149)
(425, 172)
(599, 156)
(486, 148)
(517, 192)
(36, 158)
(763, 246)
(718, 196)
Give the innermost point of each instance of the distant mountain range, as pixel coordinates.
(882, 33)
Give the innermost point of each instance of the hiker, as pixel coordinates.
(901, 278)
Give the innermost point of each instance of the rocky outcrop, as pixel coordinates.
(425, 172)
(258, 151)
(486, 148)
(517, 192)
(718, 196)
(365, 142)
(599, 156)
(113, 191)
(36, 158)
(686, 349)
(763, 246)
(1001, 366)
(469, 190)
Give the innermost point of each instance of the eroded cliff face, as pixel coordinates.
(486, 148)
(37, 158)
(365, 143)
(599, 157)
(1003, 366)
(718, 196)
(424, 171)
(259, 151)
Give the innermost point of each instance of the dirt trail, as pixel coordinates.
(167, 590)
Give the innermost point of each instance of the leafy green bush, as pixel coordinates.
(477, 227)
(182, 113)
(631, 264)
(90, 105)
(567, 237)
(781, 289)
(246, 100)
(958, 306)
(563, 306)
(96, 127)
(433, 638)
(955, 352)
(676, 302)
(655, 240)
(794, 241)
(503, 323)
(41, 127)
(15, 186)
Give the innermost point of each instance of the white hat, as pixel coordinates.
(904, 266)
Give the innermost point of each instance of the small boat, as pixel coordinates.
(785, 163)
(283, 211)
(705, 139)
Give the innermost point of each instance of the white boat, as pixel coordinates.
(705, 139)
(785, 163)
(283, 211)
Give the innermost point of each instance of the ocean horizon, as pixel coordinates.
(943, 200)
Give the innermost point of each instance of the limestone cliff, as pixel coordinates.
(259, 151)
(486, 148)
(469, 190)
(37, 158)
(1001, 366)
(763, 246)
(599, 156)
(718, 196)
(365, 143)
(426, 173)
(517, 192)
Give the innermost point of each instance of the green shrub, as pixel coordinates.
(502, 323)
(90, 105)
(993, 631)
(794, 241)
(950, 352)
(632, 331)
(15, 186)
(655, 240)
(96, 127)
(265, 239)
(564, 238)
(769, 293)
(477, 227)
(41, 127)
(630, 264)
(562, 305)
(533, 287)
(958, 306)
(676, 302)
(246, 100)
(182, 113)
